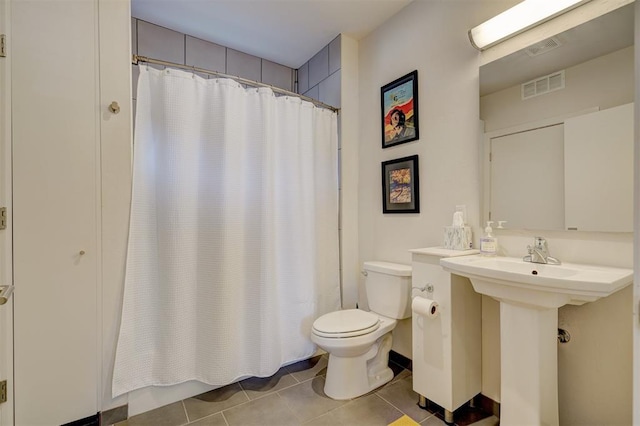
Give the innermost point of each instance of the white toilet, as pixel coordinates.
(358, 342)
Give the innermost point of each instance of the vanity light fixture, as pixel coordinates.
(519, 18)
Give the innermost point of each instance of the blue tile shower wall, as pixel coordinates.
(165, 44)
(319, 78)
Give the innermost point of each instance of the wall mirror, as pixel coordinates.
(558, 143)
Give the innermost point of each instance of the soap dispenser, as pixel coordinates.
(488, 243)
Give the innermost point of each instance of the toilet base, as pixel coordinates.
(350, 377)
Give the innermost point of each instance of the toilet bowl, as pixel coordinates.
(358, 342)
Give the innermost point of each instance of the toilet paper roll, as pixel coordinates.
(425, 307)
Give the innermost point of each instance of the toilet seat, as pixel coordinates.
(346, 323)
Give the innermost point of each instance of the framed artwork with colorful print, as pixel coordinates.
(399, 101)
(400, 185)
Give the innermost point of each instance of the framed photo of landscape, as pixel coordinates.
(400, 185)
(399, 104)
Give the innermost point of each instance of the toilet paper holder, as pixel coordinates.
(428, 288)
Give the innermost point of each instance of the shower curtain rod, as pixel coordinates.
(137, 59)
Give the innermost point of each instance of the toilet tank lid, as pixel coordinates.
(388, 268)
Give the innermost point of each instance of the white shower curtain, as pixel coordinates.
(233, 245)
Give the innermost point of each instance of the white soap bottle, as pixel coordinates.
(488, 243)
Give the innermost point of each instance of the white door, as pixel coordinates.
(55, 130)
(6, 270)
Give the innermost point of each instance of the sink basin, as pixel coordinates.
(545, 286)
(530, 295)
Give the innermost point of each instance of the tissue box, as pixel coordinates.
(458, 238)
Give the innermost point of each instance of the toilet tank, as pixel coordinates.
(388, 287)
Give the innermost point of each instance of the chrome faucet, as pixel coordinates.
(539, 253)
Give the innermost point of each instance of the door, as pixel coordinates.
(6, 270)
(55, 133)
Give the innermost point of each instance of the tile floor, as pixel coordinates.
(295, 396)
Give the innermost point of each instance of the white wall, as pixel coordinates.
(431, 37)
(349, 138)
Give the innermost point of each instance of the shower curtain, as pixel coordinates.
(233, 241)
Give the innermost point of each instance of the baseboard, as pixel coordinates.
(401, 360)
(488, 405)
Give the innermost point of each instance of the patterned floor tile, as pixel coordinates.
(214, 420)
(308, 369)
(257, 387)
(295, 396)
(365, 411)
(270, 410)
(400, 394)
(214, 401)
(308, 400)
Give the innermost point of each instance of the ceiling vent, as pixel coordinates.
(542, 85)
(543, 47)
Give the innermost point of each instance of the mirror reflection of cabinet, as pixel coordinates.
(598, 170)
(575, 175)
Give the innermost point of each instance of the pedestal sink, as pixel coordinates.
(530, 295)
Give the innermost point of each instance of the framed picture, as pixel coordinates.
(400, 110)
(400, 186)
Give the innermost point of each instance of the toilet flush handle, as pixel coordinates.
(363, 272)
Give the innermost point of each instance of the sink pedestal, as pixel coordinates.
(529, 365)
(529, 296)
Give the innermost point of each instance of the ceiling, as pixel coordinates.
(288, 32)
(605, 34)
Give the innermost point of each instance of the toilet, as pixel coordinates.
(358, 342)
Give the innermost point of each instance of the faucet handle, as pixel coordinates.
(540, 243)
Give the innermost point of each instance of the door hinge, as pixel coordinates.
(3, 218)
(3, 45)
(3, 391)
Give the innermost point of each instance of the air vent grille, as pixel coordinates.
(543, 47)
(542, 85)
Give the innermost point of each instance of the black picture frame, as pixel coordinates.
(399, 110)
(401, 185)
